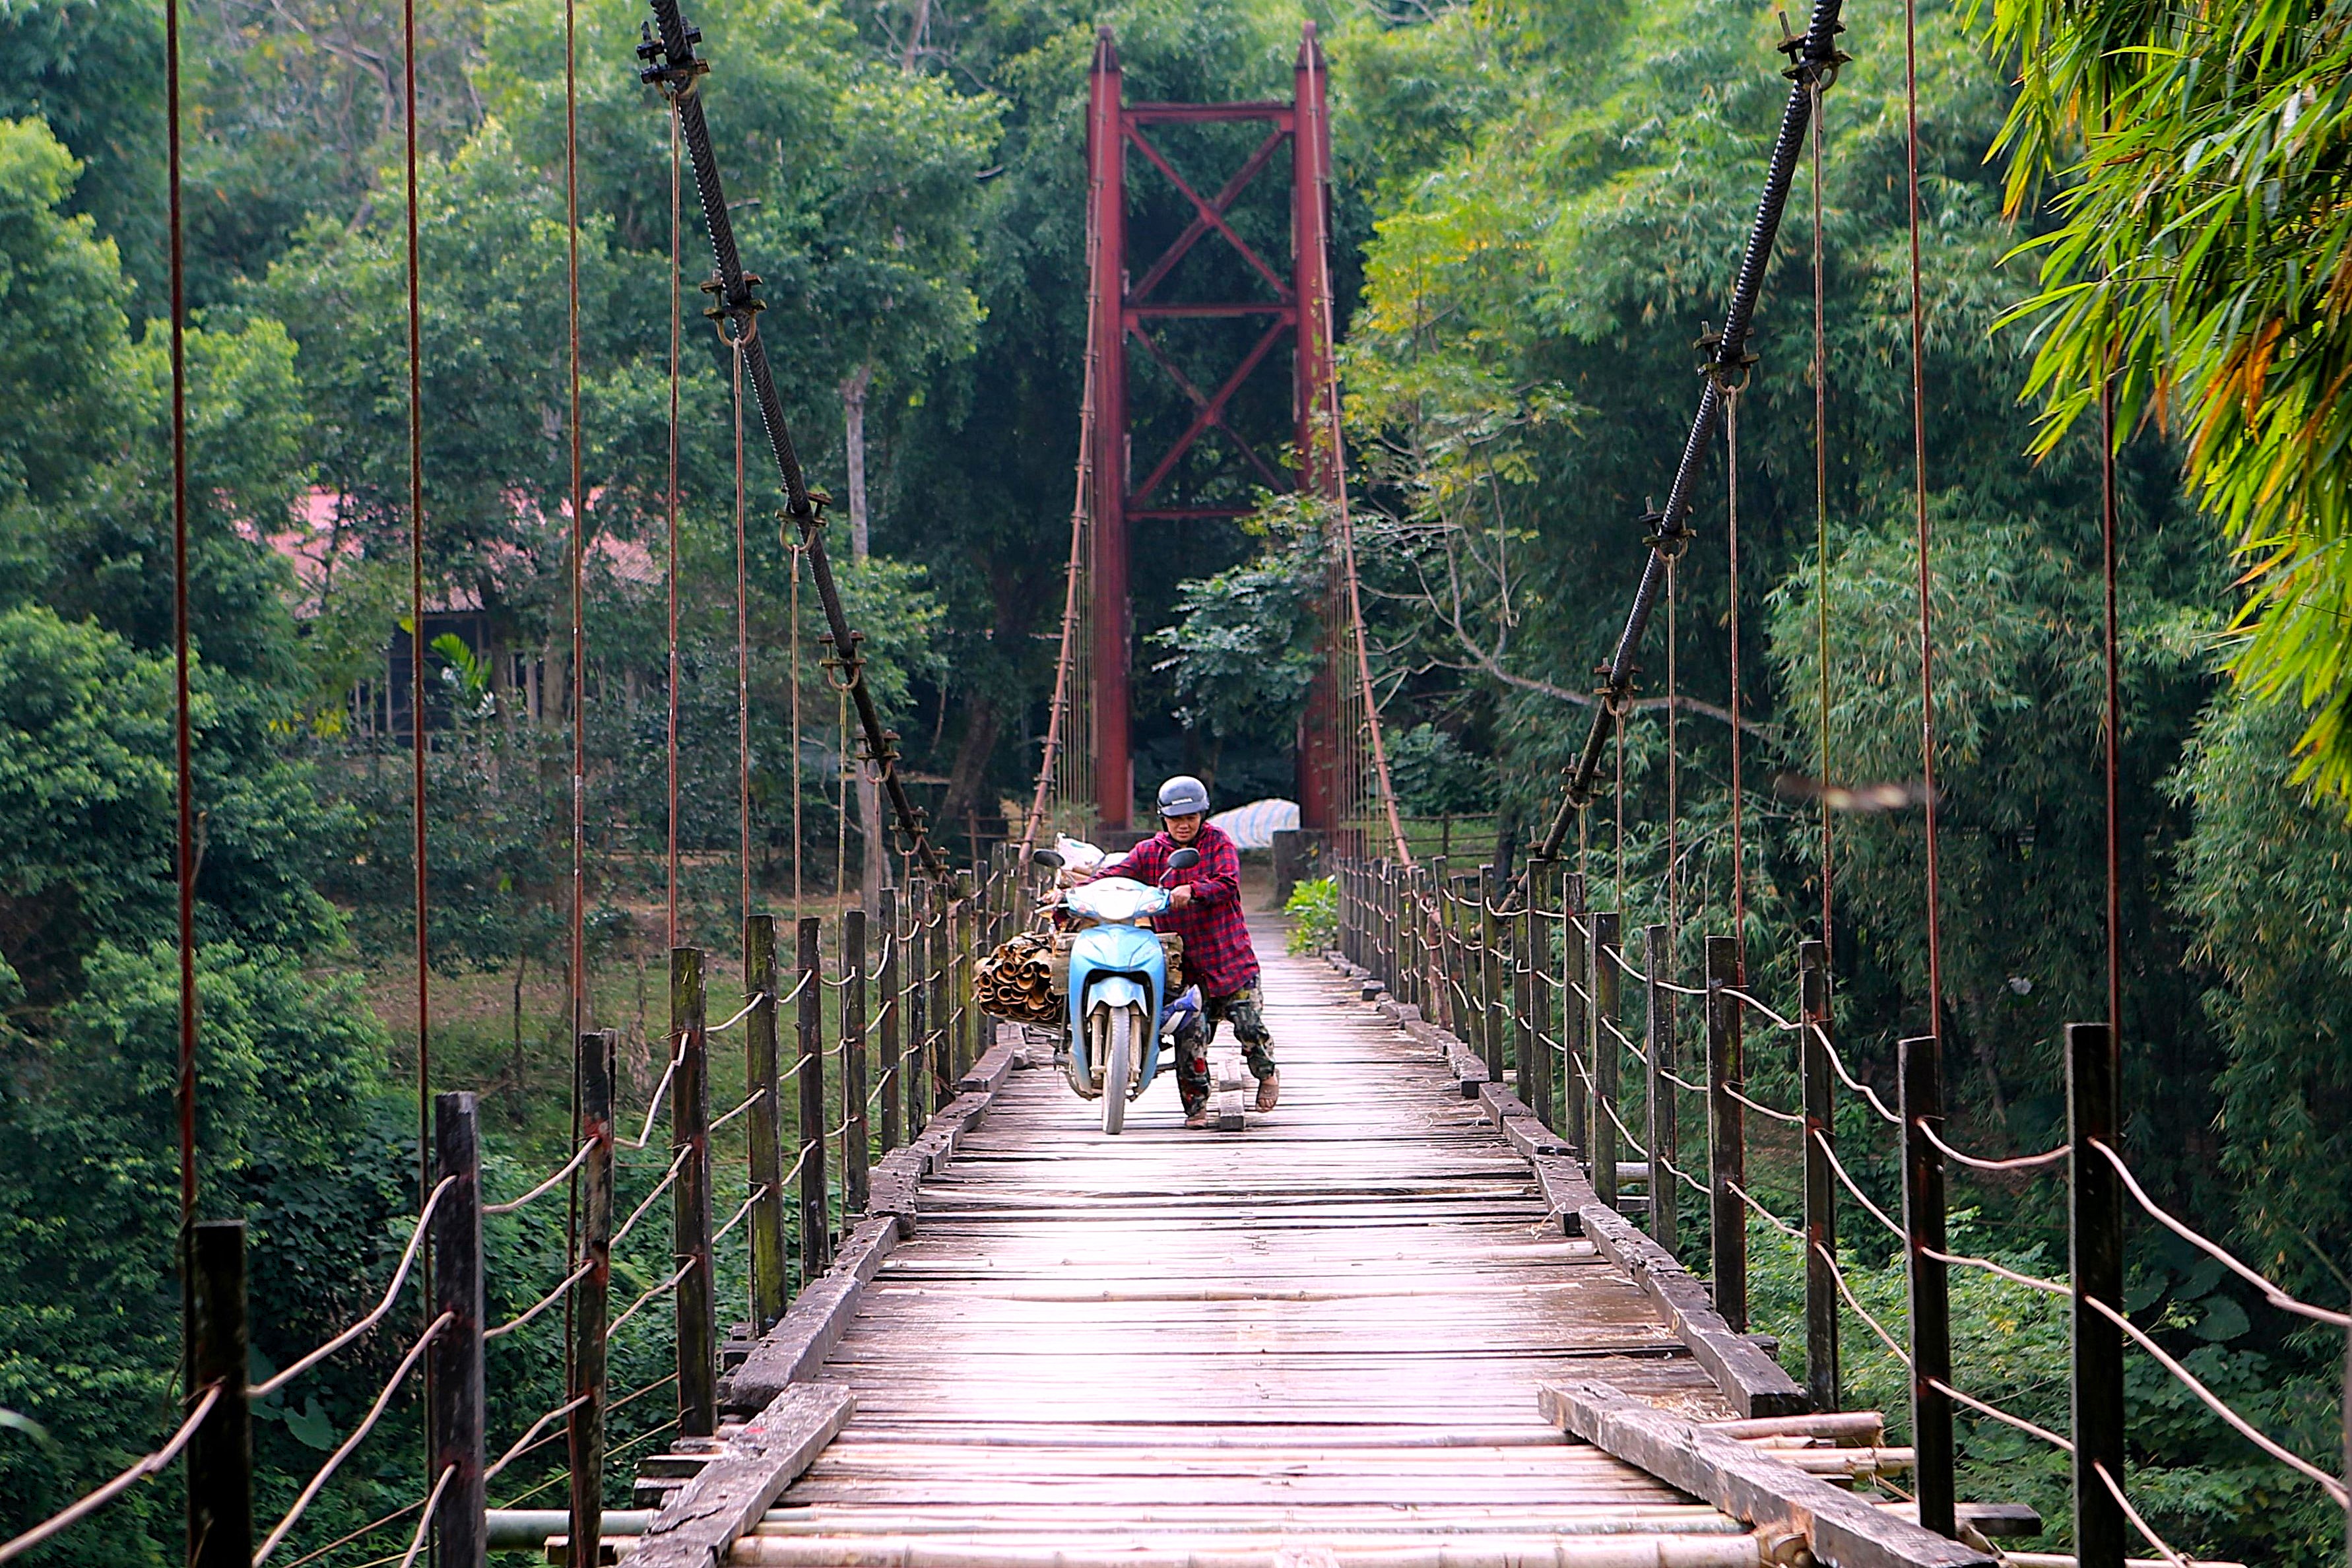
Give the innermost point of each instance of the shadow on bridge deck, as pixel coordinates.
(1321, 1336)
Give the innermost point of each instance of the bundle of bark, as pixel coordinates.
(1016, 981)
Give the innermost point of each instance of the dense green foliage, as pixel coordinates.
(2198, 270)
(1539, 204)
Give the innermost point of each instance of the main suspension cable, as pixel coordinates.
(1726, 354)
(670, 62)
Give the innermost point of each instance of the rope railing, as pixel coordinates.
(2271, 1293)
(90, 1502)
(2335, 1489)
(1436, 947)
(425, 1525)
(392, 1293)
(523, 1444)
(578, 1158)
(654, 1107)
(639, 1304)
(543, 1304)
(2013, 1163)
(359, 1435)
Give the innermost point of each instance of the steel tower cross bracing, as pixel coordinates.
(1129, 306)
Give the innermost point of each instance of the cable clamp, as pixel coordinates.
(1730, 375)
(674, 81)
(741, 311)
(1668, 542)
(1615, 698)
(854, 663)
(1812, 74)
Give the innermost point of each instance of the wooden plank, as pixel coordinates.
(1754, 1383)
(987, 1075)
(792, 1351)
(1842, 1530)
(1266, 1551)
(709, 1513)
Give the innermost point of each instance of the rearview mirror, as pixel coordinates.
(1050, 860)
(1184, 859)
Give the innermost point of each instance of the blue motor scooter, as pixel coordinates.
(1117, 989)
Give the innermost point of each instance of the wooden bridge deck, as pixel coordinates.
(1321, 1336)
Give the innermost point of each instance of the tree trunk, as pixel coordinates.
(971, 759)
(874, 856)
(853, 413)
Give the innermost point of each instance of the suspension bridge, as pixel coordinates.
(1432, 1310)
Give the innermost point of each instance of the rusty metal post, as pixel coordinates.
(1108, 571)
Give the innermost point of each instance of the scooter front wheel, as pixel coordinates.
(1119, 1068)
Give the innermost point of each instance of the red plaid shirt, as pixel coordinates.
(1217, 952)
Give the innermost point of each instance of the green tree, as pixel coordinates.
(2197, 267)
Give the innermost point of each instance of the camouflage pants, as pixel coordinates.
(1193, 1038)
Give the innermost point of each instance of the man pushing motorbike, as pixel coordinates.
(1205, 911)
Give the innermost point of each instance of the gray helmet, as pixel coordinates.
(1183, 795)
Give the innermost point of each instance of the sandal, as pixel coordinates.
(1269, 1090)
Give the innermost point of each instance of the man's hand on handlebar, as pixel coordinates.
(1179, 895)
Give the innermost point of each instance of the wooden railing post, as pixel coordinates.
(938, 1054)
(893, 1013)
(1410, 936)
(1823, 1385)
(455, 1359)
(915, 1074)
(1658, 1040)
(770, 1270)
(689, 1121)
(220, 1454)
(1348, 883)
(592, 1303)
(815, 1216)
(966, 966)
(2095, 1197)
(1727, 1133)
(1535, 966)
(1608, 936)
(1391, 882)
(1494, 997)
(1575, 1013)
(1435, 1005)
(854, 1149)
(1931, 1309)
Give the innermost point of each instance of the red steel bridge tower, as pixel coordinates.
(1129, 307)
